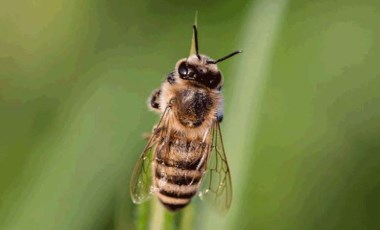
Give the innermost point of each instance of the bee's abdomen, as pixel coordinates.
(178, 172)
(176, 186)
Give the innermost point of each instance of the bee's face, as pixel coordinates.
(200, 69)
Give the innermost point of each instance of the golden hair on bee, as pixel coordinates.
(186, 144)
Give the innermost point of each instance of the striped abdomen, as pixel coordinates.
(178, 170)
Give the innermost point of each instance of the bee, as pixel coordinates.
(185, 153)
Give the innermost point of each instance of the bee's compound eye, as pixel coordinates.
(182, 69)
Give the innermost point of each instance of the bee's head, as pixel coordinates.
(200, 68)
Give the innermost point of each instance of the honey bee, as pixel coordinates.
(185, 153)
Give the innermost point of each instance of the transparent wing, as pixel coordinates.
(216, 186)
(141, 188)
(141, 181)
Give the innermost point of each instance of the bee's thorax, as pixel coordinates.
(192, 106)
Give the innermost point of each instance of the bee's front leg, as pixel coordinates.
(219, 115)
(154, 100)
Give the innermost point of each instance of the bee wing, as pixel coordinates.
(141, 186)
(216, 186)
(141, 182)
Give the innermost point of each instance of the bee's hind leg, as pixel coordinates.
(154, 100)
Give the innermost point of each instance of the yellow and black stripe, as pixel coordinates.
(179, 167)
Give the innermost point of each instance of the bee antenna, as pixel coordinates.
(196, 41)
(225, 57)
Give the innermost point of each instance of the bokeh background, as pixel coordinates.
(302, 110)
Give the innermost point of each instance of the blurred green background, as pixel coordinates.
(302, 110)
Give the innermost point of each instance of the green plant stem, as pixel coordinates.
(157, 215)
(187, 218)
(142, 219)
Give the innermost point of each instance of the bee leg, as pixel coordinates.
(154, 100)
(219, 116)
(171, 78)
